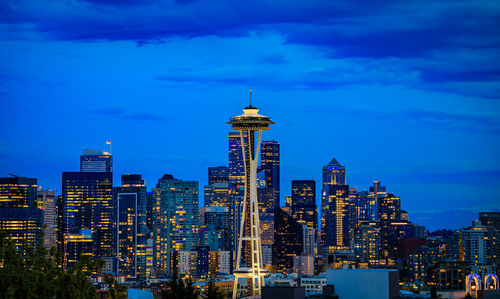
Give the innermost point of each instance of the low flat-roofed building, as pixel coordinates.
(364, 283)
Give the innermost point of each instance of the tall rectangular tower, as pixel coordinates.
(131, 219)
(270, 164)
(303, 203)
(335, 207)
(175, 215)
(88, 208)
(236, 163)
(47, 203)
(20, 218)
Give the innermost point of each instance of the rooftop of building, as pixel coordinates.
(94, 152)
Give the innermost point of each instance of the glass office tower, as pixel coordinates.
(20, 218)
(131, 219)
(303, 203)
(236, 163)
(335, 207)
(175, 216)
(87, 206)
(270, 164)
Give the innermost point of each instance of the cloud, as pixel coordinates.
(486, 123)
(442, 45)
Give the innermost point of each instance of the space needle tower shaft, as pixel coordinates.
(250, 124)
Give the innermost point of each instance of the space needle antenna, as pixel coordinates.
(250, 98)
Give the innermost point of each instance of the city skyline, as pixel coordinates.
(413, 106)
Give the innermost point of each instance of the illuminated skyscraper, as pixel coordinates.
(477, 244)
(303, 203)
(288, 239)
(250, 122)
(236, 163)
(224, 195)
(270, 164)
(367, 243)
(334, 173)
(96, 161)
(87, 206)
(335, 207)
(47, 203)
(492, 221)
(175, 216)
(217, 223)
(130, 200)
(219, 174)
(389, 219)
(20, 218)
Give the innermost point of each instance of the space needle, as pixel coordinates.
(249, 123)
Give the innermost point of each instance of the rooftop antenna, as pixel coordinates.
(250, 98)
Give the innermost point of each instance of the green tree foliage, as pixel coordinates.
(179, 288)
(35, 273)
(214, 292)
(115, 289)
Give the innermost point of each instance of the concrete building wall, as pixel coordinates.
(364, 283)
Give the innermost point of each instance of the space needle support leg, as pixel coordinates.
(242, 222)
(258, 244)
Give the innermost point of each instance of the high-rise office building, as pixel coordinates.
(20, 218)
(46, 202)
(367, 243)
(217, 223)
(236, 163)
(477, 244)
(270, 164)
(150, 199)
(219, 174)
(265, 197)
(389, 216)
(303, 203)
(288, 239)
(492, 220)
(175, 226)
(224, 195)
(96, 161)
(266, 228)
(131, 221)
(335, 207)
(87, 206)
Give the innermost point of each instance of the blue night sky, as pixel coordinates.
(405, 93)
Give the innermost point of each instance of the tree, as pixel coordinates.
(28, 272)
(214, 292)
(179, 288)
(115, 289)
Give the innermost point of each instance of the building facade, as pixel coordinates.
(131, 219)
(96, 161)
(87, 206)
(303, 203)
(20, 217)
(175, 226)
(270, 164)
(46, 201)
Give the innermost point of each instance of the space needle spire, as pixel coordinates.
(251, 124)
